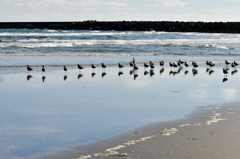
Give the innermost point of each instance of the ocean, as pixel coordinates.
(43, 113)
(70, 47)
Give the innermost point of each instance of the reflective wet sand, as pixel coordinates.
(43, 113)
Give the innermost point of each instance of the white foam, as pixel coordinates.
(184, 125)
(168, 132)
(84, 157)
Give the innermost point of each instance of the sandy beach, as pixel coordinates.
(209, 132)
(74, 115)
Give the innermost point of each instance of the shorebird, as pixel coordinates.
(211, 64)
(135, 67)
(146, 65)
(207, 63)
(175, 65)
(161, 63)
(103, 65)
(80, 67)
(65, 68)
(235, 63)
(181, 62)
(225, 71)
(186, 64)
(120, 66)
(226, 62)
(152, 66)
(131, 64)
(43, 68)
(134, 61)
(151, 63)
(194, 63)
(93, 66)
(29, 68)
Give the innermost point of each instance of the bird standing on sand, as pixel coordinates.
(43, 68)
(235, 63)
(120, 66)
(146, 65)
(131, 64)
(80, 67)
(151, 63)
(93, 66)
(211, 64)
(161, 63)
(134, 61)
(29, 68)
(103, 66)
(135, 67)
(186, 64)
(226, 62)
(65, 68)
(152, 66)
(194, 63)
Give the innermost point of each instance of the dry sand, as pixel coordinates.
(209, 133)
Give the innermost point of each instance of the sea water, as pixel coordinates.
(19, 47)
(44, 112)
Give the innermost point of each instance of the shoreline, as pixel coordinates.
(195, 136)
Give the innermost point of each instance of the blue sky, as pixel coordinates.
(110, 10)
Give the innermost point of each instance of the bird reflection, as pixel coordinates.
(43, 78)
(135, 76)
(65, 77)
(104, 74)
(224, 79)
(161, 71)
(172, 73)
(234, 72)
(179, 69)
(146, 73)
(211, 72)
(80, 75)
(151, 73)
(194, 71)
(93, 74)
(131, 72)
(207, 70)
(120, 73)
(29, 77)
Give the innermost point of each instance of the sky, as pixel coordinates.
(119, 10)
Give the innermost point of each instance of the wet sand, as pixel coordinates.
(209, 132)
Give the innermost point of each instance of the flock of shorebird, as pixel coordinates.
(151, 65)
